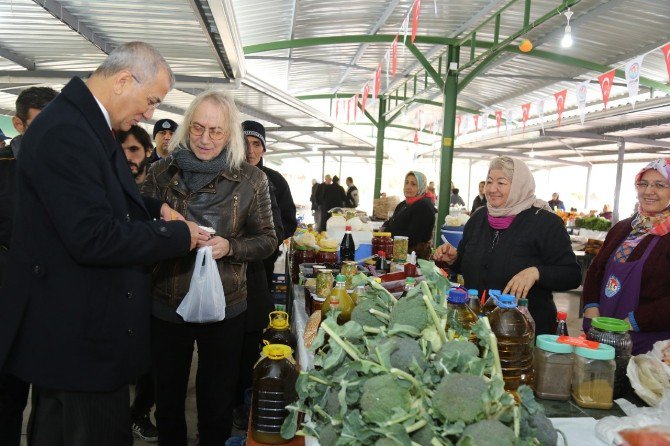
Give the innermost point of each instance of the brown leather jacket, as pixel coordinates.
(236, 204)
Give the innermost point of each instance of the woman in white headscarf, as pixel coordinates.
(515, 244)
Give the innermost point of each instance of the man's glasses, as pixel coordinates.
(152, 103)
(215, 134)
(659, 185)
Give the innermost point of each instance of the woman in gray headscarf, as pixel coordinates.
(415, 216)
(515, 244)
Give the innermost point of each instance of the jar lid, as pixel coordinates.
(548, 343)
(401, 237)
(349, 262)
(473, 292)
(277, 351)
(506, 301)
(341, 278)
(604, 352)
(279, 320)
(411, 280)
(381, 234)
(318, 298)
(326, 271)
(328, 249)
(610, 324)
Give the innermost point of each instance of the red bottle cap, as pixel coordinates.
(381, 253)
(347, 228)
(562, 316)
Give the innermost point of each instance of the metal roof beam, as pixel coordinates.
(599, 137)
(311, 61)
(56, 9)
(17, 58)
(324, 149)
(339, 40)
(298, 128)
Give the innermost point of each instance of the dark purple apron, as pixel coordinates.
(620, 294)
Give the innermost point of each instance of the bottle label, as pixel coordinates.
(578, 342)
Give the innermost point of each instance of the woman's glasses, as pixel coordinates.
(216, 134)
(659, 185)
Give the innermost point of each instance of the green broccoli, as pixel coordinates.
(540, 427)
(386, 442)
(487, 433)
(332, 406)
(362, 315)
(413, 311)
(405, 351)
(459, 397)
(458, 354)
(328, 436)
(382, 394)
(425, 435)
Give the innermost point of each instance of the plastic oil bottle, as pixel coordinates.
(339, 299)
(357, 293)
(275, 375)
(459, 315)
(490, 303)
(515, 342)
(474, 303)
(278, 330)
(522, 305)
(410, 283)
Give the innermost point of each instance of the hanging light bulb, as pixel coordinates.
(566, 42)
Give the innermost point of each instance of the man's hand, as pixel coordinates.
(592, 312)
(521, 284)
(446, 253)
(169, 214)
(197, 234)
(220, 246)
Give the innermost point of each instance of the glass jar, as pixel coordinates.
(308, 293)
(400, 247)
(328, 257)
(324, 283)
(349, 270)
(317, 304)
(614, 332)
(382, 241)
(593, 377)
(553, 368)
(300, 256)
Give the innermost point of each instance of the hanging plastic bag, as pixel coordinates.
(205, 301)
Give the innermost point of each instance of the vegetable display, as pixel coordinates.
(392, 376)
(594, 223)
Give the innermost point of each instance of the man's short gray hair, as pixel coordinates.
(504, 163)
(141, 59)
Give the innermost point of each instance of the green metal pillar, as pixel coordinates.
(379, 153)
(448, 131)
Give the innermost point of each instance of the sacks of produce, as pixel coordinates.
(393, 375)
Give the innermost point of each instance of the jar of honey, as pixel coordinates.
(328, 257)
(382, 241)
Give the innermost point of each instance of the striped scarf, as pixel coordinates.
(643, 225)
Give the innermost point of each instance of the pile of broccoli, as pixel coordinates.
(392, 376)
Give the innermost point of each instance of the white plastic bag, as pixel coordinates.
(205, 301)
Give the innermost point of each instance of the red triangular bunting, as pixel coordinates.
(606, 80)
(415, 18)
(560, 104)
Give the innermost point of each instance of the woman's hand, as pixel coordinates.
(220, 246)
(169, 214)
(521, 284)
(446, 253)
(592, 312)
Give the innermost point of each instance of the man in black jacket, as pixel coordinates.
(163, 132)
(75, 307)
(352, 199)
(480, 200)
(254, 133)
(13, 391)
(331, 195)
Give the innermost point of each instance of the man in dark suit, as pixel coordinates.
(74, 309)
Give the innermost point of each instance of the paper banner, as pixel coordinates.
(540, 112)
(508, 122)
(475, 118)
(337, 108)
(356, 107)
(458, 125)
(348, 110)
(606, 80)
(498, 119)
(466, 123)
(633, 69)
(666, 54)
(525, 112)
(416, 137)
(364, 99)
(421, 120)
(582, 91)
(405, 29)
(378, 82)
(415, 18)
(560, 104)
(485, 119)
(394, 56)
(387, 65)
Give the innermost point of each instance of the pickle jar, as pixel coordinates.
(300, 255)
(349, 270)
(317, 304)
(593, 377)
(382, 241)
(400, 247)
(553, 368)
(614, 332)
(328, 257)
(324, 283)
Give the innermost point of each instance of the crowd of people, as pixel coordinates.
(100, 223)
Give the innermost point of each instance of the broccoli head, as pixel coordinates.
(459, 397)
(332, 406)
(458, 353)
(540, 427)
(488, 433)
(382, 394)
(413, 311)
(425, 435)
(406, 350)
(328, 436)
(386, 442)
(362, 315)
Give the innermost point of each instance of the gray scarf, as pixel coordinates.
(197, 173)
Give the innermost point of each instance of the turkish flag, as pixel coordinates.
(458, 125)
(525, 112)
(416, 137)
(498, 119)
(366, 92)
(560, 104)
(337, 108)
(348, 110)
(606, 80)
(415, 18)
(666, 53)
(394, 56)
(378, 81)
(355, 106)
(476, 119)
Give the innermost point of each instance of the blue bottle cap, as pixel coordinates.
(506, 301)
(457, 296)
(473, 292)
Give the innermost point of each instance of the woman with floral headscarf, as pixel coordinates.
(515, 244)
(415, 216)
(630, 277)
